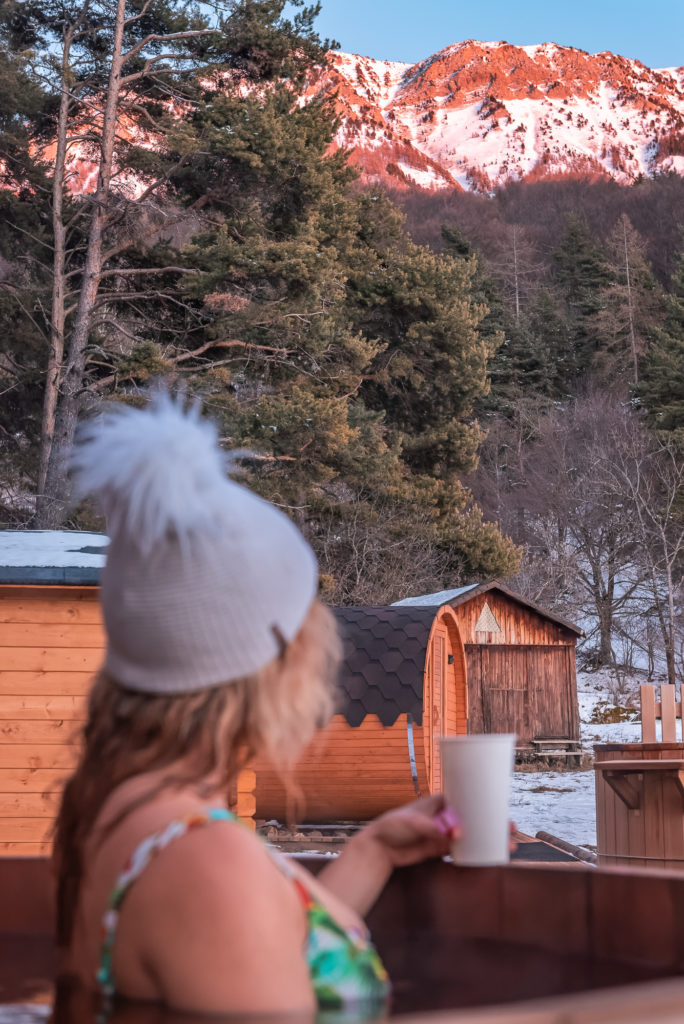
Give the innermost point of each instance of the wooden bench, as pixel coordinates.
(558, 748)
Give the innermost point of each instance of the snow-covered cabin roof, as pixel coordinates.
(439, 598)
(51, 557)
(461, 595)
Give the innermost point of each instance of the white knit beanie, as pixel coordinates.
(204, 581)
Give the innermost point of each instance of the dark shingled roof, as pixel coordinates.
(384, 653)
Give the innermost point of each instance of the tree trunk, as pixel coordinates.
(57, 488)
(57, 319)
(630, 309)
(515, 275)
(605, 619)
(670, 635)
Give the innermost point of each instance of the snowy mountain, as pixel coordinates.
(479, 114)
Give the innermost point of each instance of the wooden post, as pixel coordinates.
(668, 713)
(243, 798)
(648, 714)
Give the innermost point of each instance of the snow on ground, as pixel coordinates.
(562, 803)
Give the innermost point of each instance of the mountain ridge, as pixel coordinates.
(477, 115)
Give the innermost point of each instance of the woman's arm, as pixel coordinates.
(407, 835)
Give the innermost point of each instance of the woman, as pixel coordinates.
(217, 650)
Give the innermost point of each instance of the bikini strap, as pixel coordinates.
(143, 854)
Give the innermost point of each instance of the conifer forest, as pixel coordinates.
(439, 387)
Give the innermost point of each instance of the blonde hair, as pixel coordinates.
(210, 733)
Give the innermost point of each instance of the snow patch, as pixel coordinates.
(47, 549)
(440, 597)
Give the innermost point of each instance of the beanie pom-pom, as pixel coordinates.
(155, 472)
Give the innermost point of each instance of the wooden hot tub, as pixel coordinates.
(539, 945)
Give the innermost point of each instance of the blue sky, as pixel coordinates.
(409, 30)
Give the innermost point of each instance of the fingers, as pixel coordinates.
(448, 822)
(429, 805)
(444, 825)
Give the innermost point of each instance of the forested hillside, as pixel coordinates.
(583, 459)
(438, 388)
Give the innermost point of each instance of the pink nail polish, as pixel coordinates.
(450, 818)
(447, 821)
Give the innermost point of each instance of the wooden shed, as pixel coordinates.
(51, 645)
(402, 686)
(520, 664)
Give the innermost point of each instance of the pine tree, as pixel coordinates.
(312, 395)
(582, 275)
(661, 385)
(426, 309)
(24, 278)
(629, 306)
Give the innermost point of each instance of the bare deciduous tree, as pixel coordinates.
(648, 475)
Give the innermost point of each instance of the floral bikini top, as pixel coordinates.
(345, 969)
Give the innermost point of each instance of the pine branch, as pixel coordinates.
(232, 343)
(137, 17)
(155, 37)
(128, 272)
(144, 71)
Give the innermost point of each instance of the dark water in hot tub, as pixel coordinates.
(428, 975)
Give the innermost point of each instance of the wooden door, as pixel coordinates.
(553, 700)
(505, 696)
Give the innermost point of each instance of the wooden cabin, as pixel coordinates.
(51, 645)
(402, 685)
(520, 664)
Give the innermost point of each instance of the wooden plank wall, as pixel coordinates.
(456, 679)
(529, 690)
(51, 644)
(519, 625)
(346, 774)
(435, 711)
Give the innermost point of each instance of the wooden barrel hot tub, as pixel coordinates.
(640, 804)
(402, 685)
(517, 945)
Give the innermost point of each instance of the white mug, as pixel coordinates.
(477, 780)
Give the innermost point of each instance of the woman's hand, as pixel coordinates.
(405, 836)
(410, 834)
(413, 833)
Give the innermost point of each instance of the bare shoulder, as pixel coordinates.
(224, 929)
(223, 864)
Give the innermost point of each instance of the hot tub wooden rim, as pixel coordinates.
(618, 915)
(644, 1003)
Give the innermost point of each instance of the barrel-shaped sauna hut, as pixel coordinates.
(402, 685)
